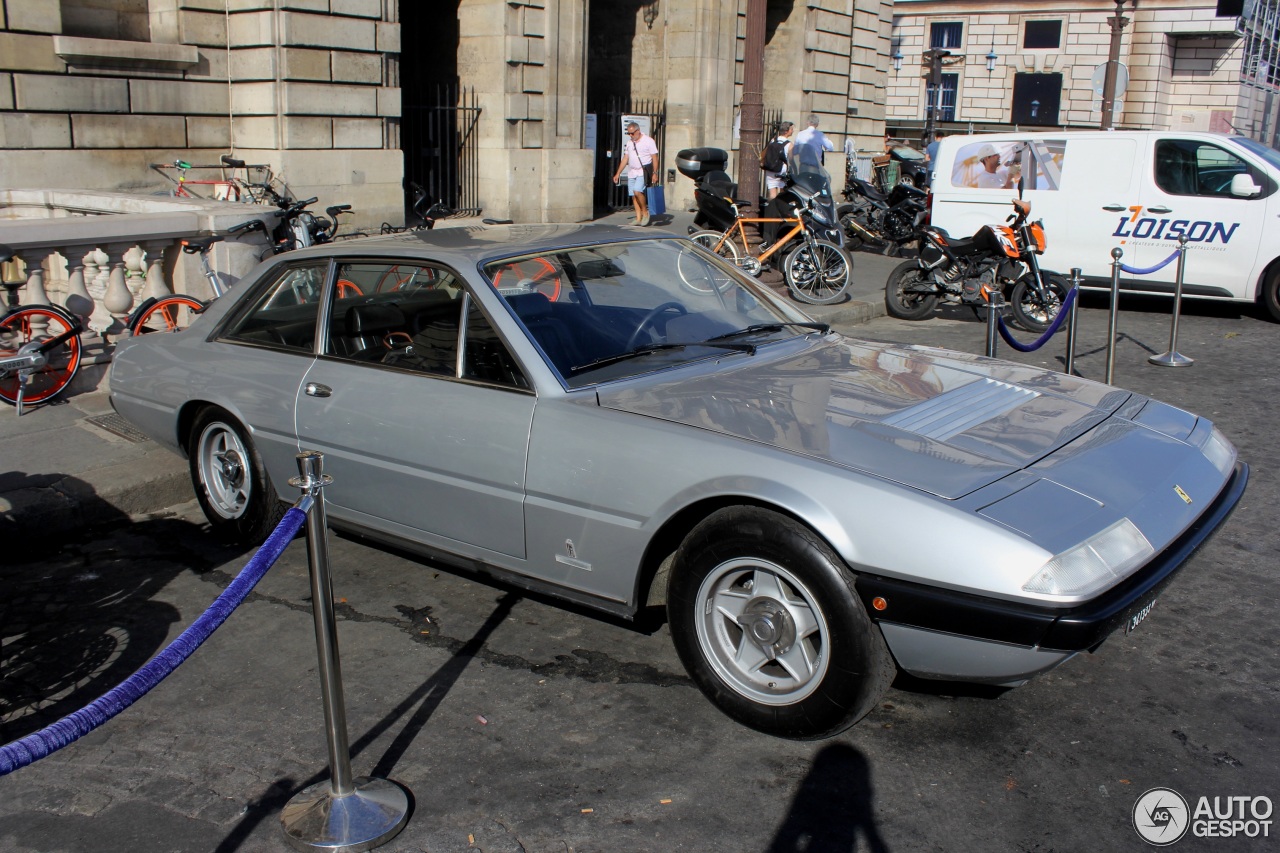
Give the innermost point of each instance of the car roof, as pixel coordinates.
(469, 244)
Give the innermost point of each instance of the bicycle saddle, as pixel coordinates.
(232, 162)
(192, 245)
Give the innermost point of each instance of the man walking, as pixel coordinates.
(640, 159)
(811, 143)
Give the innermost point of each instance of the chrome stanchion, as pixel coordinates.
(1071, 321)
(342, 813)
(1116, 254)
(993, 313)
(1173, 358)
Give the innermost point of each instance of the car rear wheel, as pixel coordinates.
(764, 617)
(1271, 294)
(231, 483)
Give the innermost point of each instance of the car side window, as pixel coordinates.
(285, 312)
(1186, 167)
(408, 316)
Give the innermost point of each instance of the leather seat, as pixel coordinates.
(366, 327)
(550, 333)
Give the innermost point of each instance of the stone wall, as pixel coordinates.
(89, 101)
(1183, 61)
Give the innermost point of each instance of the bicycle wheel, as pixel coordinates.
(539, 272)
(348, 289)
(818, 273)
(699, 276)
(166, 314)
(23, 332)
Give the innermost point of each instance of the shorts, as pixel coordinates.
(775, 181)
(635, 182)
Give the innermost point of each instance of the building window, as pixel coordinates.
(1042, 35)
(1036, 98)
(945, 101)
(946, 35)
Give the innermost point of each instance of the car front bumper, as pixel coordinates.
(943, 634)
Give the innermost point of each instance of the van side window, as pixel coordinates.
(1186, 167)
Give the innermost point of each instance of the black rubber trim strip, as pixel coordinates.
(1065, 629)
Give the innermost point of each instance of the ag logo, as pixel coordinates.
(1161, 816)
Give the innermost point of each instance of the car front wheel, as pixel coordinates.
(765, 619)
(231, 483)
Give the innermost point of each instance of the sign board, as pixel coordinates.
(1099, 78)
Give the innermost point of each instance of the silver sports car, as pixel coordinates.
(621, 419)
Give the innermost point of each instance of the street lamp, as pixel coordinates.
(991, 59)
(1035, 108)
(897, 59)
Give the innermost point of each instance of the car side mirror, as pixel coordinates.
(1242, 185)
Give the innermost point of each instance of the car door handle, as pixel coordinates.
(1159, 210)
(1115, 208)
(315, 389)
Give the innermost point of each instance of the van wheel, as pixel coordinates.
(1271, 293)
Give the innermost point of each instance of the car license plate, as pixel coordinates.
(1135, 619)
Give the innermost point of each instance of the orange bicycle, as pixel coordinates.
(817, 271)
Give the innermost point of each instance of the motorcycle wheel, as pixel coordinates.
(905, 293)
(1030, 311)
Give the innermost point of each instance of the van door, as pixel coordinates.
(1188, 191)
(1102, 176)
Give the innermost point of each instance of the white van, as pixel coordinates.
(1138, 190)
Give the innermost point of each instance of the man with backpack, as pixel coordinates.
(773, 160)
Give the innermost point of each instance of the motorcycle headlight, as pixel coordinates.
(821, 214)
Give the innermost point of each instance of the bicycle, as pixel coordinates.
(817, 272)
(39, 348)
(174, 312)
(224, 187)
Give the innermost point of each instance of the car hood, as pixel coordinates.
(940, 421)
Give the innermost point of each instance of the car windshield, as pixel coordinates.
(1254, 147)
(613, 310)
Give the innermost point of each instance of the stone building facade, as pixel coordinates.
(92, 91)
(1186, 66)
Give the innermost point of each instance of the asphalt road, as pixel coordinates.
(523, 725)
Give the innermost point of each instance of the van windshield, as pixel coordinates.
(1269, 154)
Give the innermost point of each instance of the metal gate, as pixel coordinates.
(439, 142)
(609, 141)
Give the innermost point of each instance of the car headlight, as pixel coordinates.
(1098, 562)
(1220, 452)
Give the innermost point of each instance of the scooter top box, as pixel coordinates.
(696, 162)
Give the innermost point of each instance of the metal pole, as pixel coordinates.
(993, 301)
(1071, 322)
(1173, 358)
(1116, 254)
(343, 813)
(1118, 24)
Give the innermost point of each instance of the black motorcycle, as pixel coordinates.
(887, 222)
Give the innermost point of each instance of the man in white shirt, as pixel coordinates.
(811, 143)
(994, 176)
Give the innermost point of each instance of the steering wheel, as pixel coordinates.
(650, 317)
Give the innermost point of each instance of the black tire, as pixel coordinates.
(902, 302)
(819, 274)
(746, 562)
(1028, 310)
(1271, 294)
(230, 481)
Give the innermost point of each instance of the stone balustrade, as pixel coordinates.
(101, 254)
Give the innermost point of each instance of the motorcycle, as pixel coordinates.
(807, 195)
(998, 258)
(299, 228)
(872, 218)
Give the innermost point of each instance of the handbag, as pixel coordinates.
(648, 173)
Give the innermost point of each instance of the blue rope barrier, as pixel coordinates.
(1150, 270)
(1048, 333)
(33, 747)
